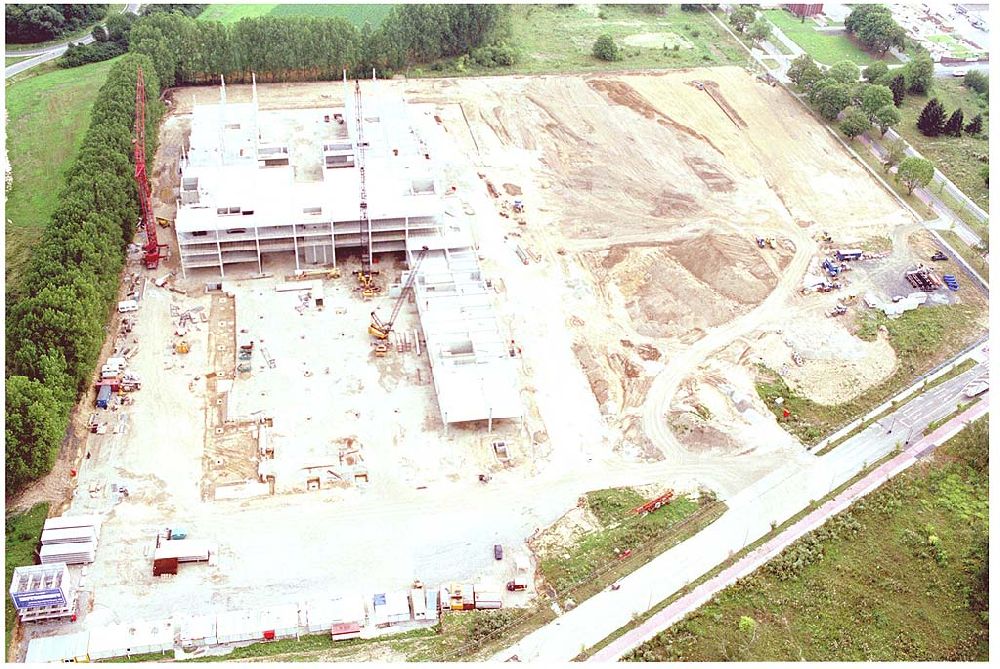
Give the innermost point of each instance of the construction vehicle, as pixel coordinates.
(182, 347)
(380, 329)
(838, 310)
(518, 207)
(939, 256)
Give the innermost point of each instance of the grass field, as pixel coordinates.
(47, 117)
(552, 39)
(22, 533)
(921, 338)
(356, 14)
(824, 47)
(956, 157)
(900, 576)
(971, 256)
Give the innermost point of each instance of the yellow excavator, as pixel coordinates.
(380, 329)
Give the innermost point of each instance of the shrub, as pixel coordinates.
(977, 80)
(605, 48)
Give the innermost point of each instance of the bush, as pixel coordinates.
(81, 54)
(605, 48)
(978, 81)
(498, 55)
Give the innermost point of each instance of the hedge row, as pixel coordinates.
(55, 333)
(311, 48)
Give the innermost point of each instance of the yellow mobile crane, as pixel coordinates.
(380, 329)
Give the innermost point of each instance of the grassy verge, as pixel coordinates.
(915, 203)
(956, 157)
(922, 338)
(971, 256)
(962, 406)
(826, 48)
(901, 575)
(69, 37)
(140, 657)
(960, 210)
(592, 560)
(965, 366)
(725, 564)
(47, 116)
(22, 533)
(8, 60)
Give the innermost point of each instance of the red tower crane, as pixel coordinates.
(151, 249)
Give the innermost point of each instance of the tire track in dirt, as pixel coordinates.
(622, 94)
(686, 361)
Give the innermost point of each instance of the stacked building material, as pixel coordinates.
(68, 553)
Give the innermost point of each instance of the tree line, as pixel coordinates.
(27, 24)
(278, 49)
(55, 333)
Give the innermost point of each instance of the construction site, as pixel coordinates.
(383, 326)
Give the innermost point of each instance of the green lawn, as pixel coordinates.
(824, 47)
(922, 338)
(957, 49)
(48, 115)
(553, 39)
(900, 576)
(356, 14)
(22, 533)
(956, 157)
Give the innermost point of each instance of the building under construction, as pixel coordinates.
(251, 187)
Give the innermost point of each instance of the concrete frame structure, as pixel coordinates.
(475, 375)
(240, 199)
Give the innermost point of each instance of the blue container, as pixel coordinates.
(103, 396)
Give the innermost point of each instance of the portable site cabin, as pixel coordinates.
(131, 639)
(390, 608)
(196, 631)
(282, 622)
(487, 598)
(236, 626)
(468, 597)
(62, 522)
(322, 615)
(62, 648)
(418, 604)
(69, 535)
(433, 604)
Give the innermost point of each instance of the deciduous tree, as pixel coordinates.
(855, 123)
(915, 172)
(886, 117)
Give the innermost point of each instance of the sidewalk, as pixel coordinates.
(703, 593)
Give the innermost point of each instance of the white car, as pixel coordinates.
(959, 72)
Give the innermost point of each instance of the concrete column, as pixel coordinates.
(256, 235)
(333, 241)
(218, 249)
(295, 243)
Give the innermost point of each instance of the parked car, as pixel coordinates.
(498, 551)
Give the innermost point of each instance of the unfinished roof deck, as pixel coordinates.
(257, 182)
(475, 377)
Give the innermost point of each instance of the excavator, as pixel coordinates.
(380, 329)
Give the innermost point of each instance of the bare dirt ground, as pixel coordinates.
(640, 315)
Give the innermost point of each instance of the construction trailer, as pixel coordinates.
(131, 639)
(198, 631)
(237, 626)
(61, 648)
(418, 604)
(343, 617)
(169, 554)
(390, 608)
(284, 621)
(487, 597)
(43, 592)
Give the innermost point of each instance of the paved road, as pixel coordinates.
(774, 498)
(696, 598)
(48, 53)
